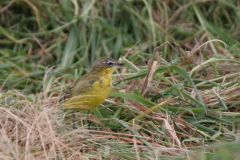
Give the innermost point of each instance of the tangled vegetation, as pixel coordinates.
(176, 98)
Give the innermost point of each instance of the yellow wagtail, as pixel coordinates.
(90, 90)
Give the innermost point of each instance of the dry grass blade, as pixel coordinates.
(149, 76)
(151, 70)
(171, 130)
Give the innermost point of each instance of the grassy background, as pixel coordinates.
(188, 50)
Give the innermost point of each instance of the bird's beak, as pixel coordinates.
(119, 64)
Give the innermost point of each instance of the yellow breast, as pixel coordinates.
(92, 97)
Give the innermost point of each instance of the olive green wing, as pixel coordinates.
(81, 86)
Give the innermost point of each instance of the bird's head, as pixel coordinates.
(105, 64)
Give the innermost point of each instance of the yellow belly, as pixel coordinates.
(95, 95)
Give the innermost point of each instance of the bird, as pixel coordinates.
(91, 89)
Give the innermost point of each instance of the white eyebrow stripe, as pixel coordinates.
(112, 61)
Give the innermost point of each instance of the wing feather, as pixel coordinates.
(81, 86)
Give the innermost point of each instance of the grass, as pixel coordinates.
(176, 98)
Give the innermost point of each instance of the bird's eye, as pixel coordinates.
(110, 63)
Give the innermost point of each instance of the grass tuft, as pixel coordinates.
(176, 98)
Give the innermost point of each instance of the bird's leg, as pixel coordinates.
(73, 116)
(88, 116)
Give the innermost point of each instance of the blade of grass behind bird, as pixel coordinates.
(70, 47)
(132, 97)
(150, 110)
(97, 113)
